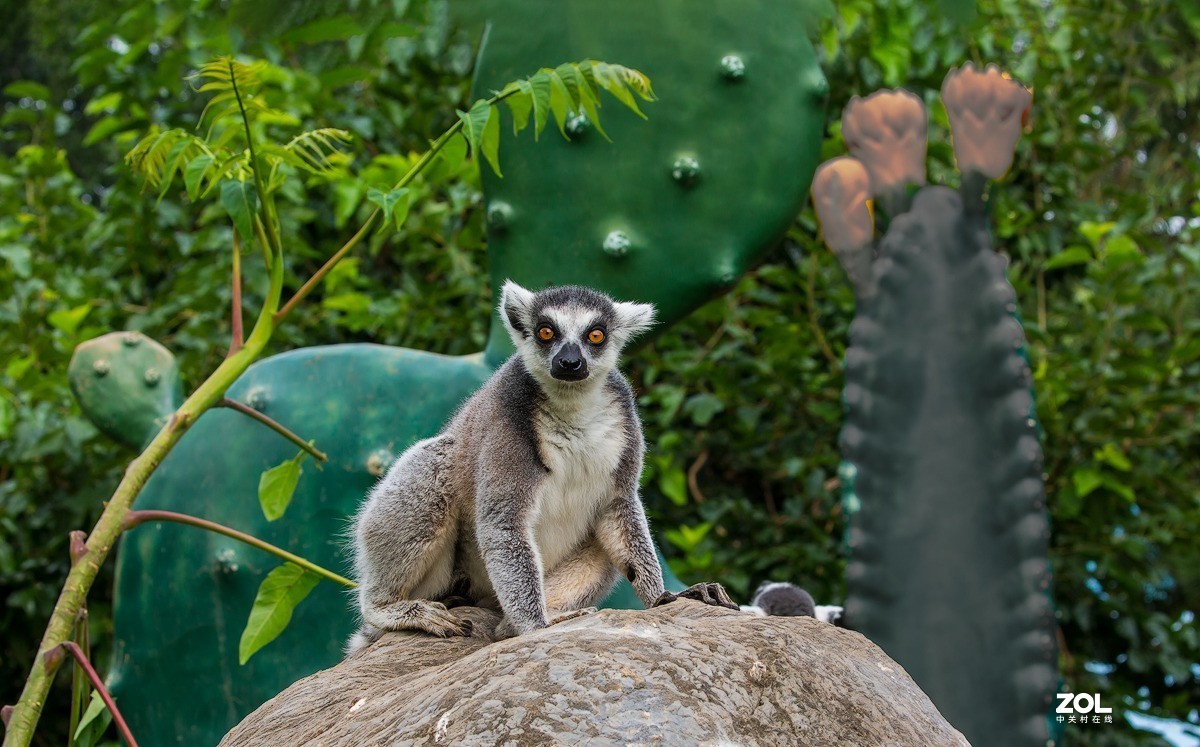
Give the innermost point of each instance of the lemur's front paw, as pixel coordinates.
(709, 593)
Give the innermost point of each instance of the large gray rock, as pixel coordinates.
(683, 673)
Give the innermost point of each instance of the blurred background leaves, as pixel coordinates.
(742, 402)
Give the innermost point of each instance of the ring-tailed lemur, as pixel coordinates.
(789, 600)
(529, 497)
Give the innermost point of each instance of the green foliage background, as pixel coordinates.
(1100, 218)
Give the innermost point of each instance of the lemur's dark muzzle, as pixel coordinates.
(568, 364)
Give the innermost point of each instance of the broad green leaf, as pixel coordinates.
(539, 92)
(1093, 232)
(27, 89)
(18, 258)
(583, 90)
(280, 592)
(702, 407)
(520, 104)
(473, 123)
(347, 194)
(394, 204)
(6, 414)
(1113, 457)
(1085, 480)
(673, 484)
(1072, 255)
(68, 320)
(560, 102)
(277, 485)
(193, 174)
(103, 104)
(352, 302)
(241, 202)
(93, 723)
(338, 28)
(489, 143)
(18, 366)
(104, 127)
(453, 153)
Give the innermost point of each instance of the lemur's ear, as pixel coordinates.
(515, 303)
(634, 318)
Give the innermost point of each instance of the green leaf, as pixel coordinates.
(453, 153)
(539, 92)
(1093, 232)
(394, 204)
(193, 174)
(277, 485)
(520, 104)
(68, 320)
(280, 592)
(241, 202)
(103, 104)
(18, 258)
(1072, 255)
(673, 484)
(489, 143)
(18, 367)
(93, 723)
(473, 123)
(1114, 457)
(27, 89)
(702, 407)
(338, 28)
(1085, 480)
(103, 128)
(350, 302)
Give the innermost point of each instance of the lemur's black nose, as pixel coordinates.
(568, 364)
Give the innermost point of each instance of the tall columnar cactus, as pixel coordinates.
(672, 212)
(948, 532)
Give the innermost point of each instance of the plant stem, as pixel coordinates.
(136, 517)
(268, 218)
(98, 683)
(405, 180)
(236, 341)
(274, 425)
(103, 536)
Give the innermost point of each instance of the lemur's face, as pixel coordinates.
(570, 334)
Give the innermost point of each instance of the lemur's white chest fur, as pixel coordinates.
(581, 445)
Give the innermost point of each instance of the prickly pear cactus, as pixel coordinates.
(671, 212)
(127, 384)
(948, 534)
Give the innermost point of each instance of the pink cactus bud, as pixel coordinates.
(987, 109)
(841, 189)
(886, 131)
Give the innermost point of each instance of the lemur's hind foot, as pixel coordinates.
(709, 593)
(417, 614)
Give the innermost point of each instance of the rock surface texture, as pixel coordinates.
(684, 673)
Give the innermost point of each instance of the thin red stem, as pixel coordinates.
(73, 648)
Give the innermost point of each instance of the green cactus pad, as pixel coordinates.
(127, 384)
(678, 206)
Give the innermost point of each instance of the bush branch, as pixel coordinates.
(274, 425)
(137, 517)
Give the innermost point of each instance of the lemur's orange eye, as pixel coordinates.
(596, 336)
(545, 334)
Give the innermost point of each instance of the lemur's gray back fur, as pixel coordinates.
(528, 499)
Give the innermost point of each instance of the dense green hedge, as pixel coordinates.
(741, 402)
